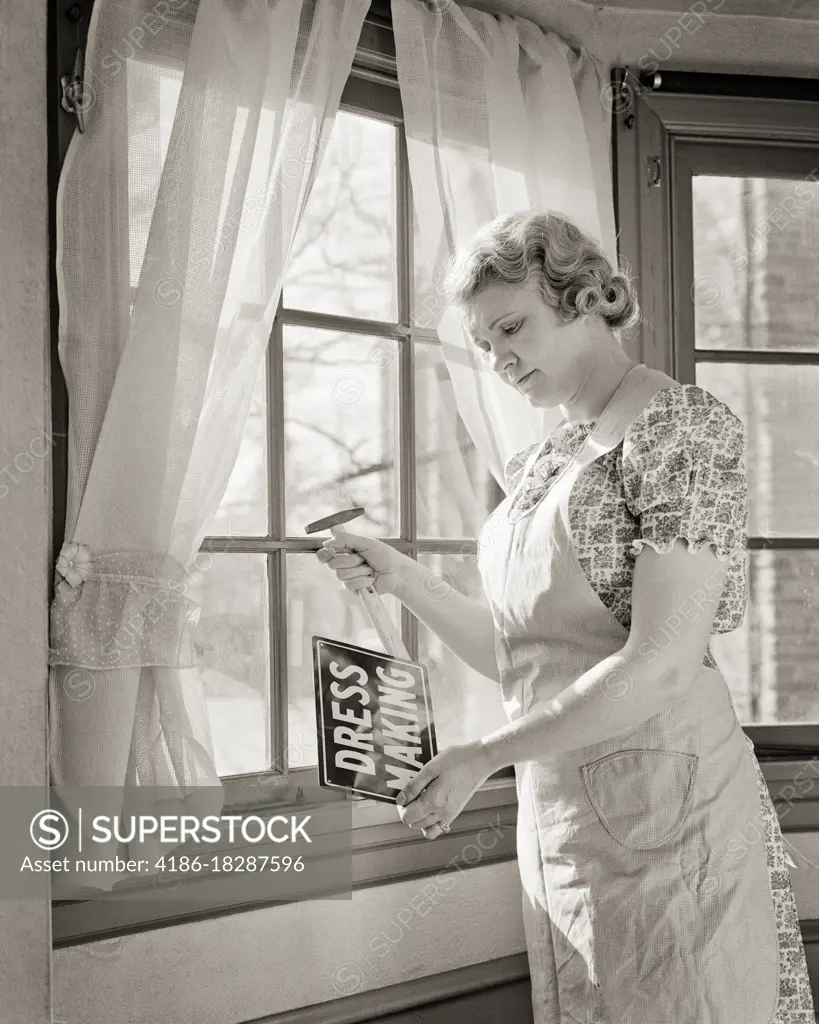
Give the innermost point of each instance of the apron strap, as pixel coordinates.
(637, 389)
(527, 468)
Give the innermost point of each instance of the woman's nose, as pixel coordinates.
(501, 361)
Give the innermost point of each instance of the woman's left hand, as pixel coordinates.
(442, 788)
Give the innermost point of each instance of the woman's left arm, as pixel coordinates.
(674, 600)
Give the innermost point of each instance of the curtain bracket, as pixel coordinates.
(73, 91)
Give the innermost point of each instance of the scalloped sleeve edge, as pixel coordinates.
(692, 547)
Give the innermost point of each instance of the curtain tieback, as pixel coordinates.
(121, 609)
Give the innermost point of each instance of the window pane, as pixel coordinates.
(756, 262)
(341, 428)
(455, 492)
(343, 257)
(466, 704)
(318, 604)
(232, 642)
(243, 509)
(770, 661)
(777, 404)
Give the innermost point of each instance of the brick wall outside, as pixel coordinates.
(757, 260)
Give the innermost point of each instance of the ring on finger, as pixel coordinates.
(442, 825)
(427, 821)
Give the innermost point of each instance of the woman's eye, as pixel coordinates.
(513, 329)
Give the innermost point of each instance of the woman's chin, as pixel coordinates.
(532, 391)
(531, 387)
(536, 397)
(540, 401)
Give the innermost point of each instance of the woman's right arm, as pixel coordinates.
(464, 625)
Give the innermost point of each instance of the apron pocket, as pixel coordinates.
(641, 796)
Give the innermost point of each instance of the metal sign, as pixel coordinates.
(374, 716)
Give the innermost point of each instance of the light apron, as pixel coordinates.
(641, 903)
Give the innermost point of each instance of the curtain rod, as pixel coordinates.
(707, 84)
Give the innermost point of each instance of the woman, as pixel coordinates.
(655, 887)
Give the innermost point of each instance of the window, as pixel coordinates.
(354, 410)
(756, 253)
(354, 407)
(724, 188)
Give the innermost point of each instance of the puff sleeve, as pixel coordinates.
(684, 477)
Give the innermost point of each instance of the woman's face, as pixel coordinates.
(521, 340)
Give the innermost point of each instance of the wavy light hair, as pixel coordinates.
(572, 272)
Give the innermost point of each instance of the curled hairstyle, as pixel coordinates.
(573, 274)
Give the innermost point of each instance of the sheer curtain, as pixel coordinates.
(500, 116)
(177, 209)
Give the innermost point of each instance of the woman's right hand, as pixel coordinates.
(365, 562)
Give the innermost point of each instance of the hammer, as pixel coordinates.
(384, 626)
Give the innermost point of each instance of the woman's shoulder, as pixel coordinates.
(684, 413)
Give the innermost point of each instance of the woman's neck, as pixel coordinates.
(598, 389)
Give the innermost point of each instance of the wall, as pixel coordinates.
(233, 969)
(25, 501)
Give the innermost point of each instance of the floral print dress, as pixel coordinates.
(679, 473)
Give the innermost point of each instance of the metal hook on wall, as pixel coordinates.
(73, 94)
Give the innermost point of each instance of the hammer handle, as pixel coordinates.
(385, 627)
(389, 635)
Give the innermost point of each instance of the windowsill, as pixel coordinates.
(383, 850)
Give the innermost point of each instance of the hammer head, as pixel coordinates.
(336, 519)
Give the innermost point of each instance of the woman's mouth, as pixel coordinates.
(522, 382)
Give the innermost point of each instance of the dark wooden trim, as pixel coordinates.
(67, 30)
(759, 356)
(376, 1004)
(695, 83)
(374, 93)
(656, 125)
(742, 119)
(380, 13)
(626, 192)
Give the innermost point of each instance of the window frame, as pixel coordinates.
(662, 123)
(384, 850)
